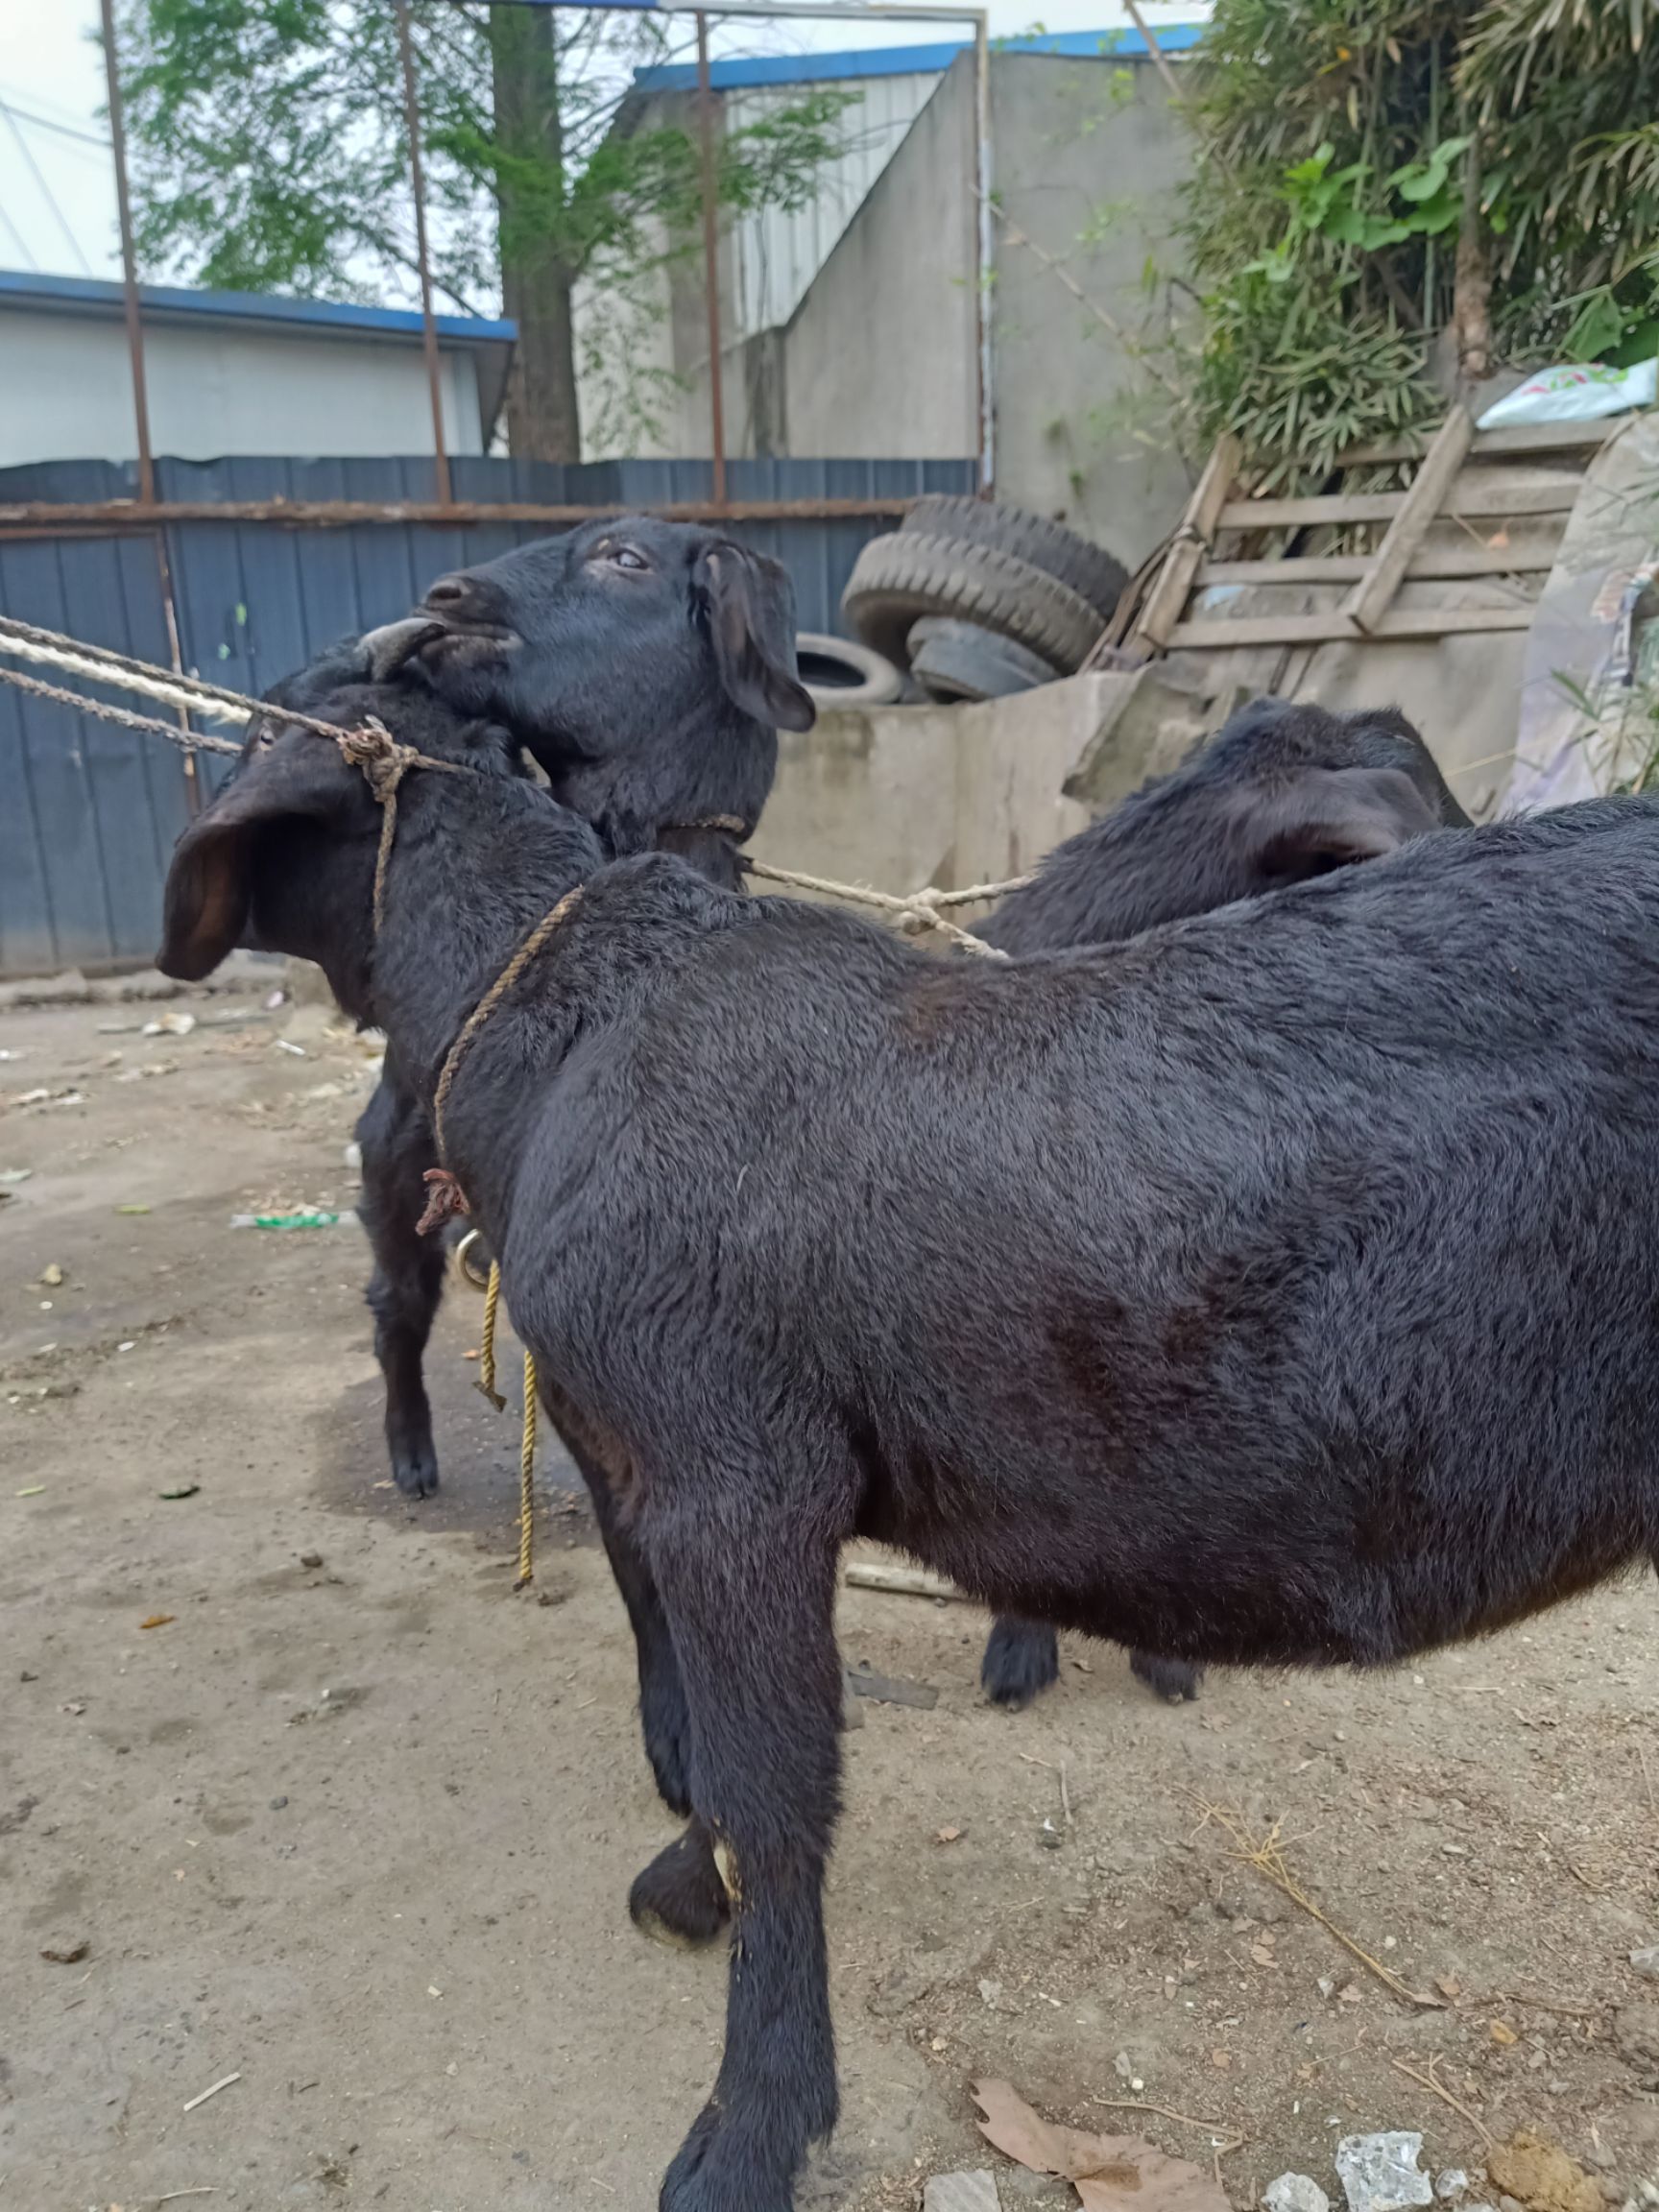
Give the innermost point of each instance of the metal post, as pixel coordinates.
(128, 265)
(176, 659)
(985, 272)
(429, 322)
(712, 255)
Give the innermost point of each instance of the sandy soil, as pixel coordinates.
(360, 1831)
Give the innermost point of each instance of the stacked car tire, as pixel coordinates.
(978, 600)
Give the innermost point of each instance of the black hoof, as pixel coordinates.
(1022, 1660)
(416, 1472)
(1172, 1679)
(679, 1897)
(721, 2168)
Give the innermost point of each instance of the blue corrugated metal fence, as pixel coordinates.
(88, 812)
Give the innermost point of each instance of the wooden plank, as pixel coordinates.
(1546, 495)
(1374, 594)
(1433, 563)
(899, 1582)
(1167, 598)
(1333, 628)
(1491, 445)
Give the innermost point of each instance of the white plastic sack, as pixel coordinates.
(1577, 392)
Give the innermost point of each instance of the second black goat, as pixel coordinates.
(1283, 792)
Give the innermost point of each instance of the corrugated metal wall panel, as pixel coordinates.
(779, 250)
(91, 811)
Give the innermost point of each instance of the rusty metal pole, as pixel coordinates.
(429, 322)
(985, 256)
(712, 255)
(129, 264)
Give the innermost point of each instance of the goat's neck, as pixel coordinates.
(476, 864)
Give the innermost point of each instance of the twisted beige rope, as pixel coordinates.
(102, 664)
(187, 740)
(386, 763)
(920, 908)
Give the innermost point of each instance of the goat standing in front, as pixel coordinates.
(1322, 1231)
(647, 667)
(1284, 792)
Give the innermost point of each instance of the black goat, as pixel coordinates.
(647, 665)
(1276, 1288)
(1281, 793)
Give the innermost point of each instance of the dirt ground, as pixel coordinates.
(332, 1810)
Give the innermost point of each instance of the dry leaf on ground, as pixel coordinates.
(1538, 2173)
(1111, 2172)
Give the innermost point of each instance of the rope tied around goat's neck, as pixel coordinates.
(385, 762)
(445, 1196)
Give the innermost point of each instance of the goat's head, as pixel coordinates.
(283, 858)
(646, 665)
(1281, 793)
(1320, 789)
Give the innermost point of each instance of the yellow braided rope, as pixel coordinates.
(487, 1343)
(527, 1480)
(527, 1441)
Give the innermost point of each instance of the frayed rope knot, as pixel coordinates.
(444, 1200)
(374, 750)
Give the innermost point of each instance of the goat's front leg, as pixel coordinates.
(663, 1718)
(397, 1149)
(750, 1605)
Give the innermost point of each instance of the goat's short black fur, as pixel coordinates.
(647, 666)
(1323, 1231)
(1283, 792)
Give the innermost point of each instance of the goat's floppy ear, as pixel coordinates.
(1330, 817)
(751, 610)
(210, 880)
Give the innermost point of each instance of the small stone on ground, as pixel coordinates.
(961, 2193)
(1381, 2173)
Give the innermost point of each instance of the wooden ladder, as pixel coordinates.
(1442, 488)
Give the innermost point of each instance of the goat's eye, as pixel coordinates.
(625, 556)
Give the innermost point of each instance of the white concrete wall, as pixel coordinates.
(65, 393)
(880, 357)
(1089, 164)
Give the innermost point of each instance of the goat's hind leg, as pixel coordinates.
(408, 1280)
(1175, 1680)
(1022, 1660)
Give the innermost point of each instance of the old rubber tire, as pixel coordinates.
(837, 673)
(959, 660)
(1082, 567)
(901, 577)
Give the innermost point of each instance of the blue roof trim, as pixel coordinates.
(25, 288)
(907, 60)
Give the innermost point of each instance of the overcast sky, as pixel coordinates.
(57, 197)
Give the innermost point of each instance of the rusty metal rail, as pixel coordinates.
(46, 515)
